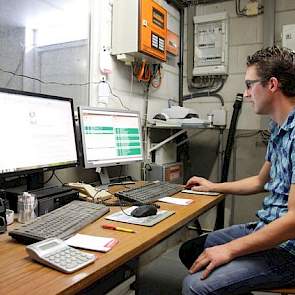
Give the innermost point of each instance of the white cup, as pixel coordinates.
(9, 216)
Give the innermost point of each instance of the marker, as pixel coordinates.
(113, 227)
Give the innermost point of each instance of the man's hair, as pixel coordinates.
(275, 62)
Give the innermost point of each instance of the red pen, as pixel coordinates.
(113, 227)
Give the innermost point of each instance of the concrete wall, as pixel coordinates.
(245, 37)
(12, 42)
(60, 63)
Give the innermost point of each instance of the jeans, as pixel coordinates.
(262, 270)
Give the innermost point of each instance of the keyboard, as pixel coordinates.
(150, 192)
(60, 223)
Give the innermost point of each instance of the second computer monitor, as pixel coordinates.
(110, 137)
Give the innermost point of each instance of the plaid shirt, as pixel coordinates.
(281, 155)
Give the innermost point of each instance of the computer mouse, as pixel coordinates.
(190, 186)
(144, 210)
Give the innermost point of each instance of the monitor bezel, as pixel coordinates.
(28, 171)
(84, 161)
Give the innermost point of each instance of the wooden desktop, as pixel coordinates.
(21, 275)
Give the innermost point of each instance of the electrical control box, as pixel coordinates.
(171, 172)
(139, 30)
(288, 36)
(211, 44)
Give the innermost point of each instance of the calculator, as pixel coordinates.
(55, 253)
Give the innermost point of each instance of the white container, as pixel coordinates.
(26, 205)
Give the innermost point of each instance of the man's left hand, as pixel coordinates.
(211, 258)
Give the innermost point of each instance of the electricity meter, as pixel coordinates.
(211, 44)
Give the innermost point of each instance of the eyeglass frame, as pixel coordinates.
(249, 83)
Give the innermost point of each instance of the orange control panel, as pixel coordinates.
(152, 29)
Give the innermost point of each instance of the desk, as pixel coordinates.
(177, 131)
(19, 275)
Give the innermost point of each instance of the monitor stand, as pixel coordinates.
(104, 177)
(35, 180)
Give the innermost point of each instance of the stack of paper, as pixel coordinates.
(92, 242)
(176, 201)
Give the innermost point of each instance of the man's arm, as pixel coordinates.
(249, 185)
(271, 235)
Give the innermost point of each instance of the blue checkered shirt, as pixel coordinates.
(281, 155)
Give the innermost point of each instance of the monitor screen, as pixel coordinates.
(110, 137)
(37, 132)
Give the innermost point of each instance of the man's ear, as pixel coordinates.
(273, 84)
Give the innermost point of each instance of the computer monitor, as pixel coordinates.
(37, 133)
(110, 137)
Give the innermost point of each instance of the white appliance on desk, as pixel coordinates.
(177, 116)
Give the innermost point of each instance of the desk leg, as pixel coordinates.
(219, 223)
(135, 286)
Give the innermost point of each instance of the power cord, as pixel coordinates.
(66, 84)
(58, 178)
(52, 174)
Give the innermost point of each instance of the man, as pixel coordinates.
(246, 257)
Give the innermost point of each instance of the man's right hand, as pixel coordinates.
(200, 184)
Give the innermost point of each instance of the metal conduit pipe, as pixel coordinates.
(180, 6)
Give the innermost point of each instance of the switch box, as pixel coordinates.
(172, 172)
(211, 44)
(139, 29)
(219, 117)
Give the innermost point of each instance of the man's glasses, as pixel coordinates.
(249, 83)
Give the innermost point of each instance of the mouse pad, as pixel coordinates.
(146, 221)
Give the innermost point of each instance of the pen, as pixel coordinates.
(111, 226)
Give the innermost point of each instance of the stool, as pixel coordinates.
(283, 291)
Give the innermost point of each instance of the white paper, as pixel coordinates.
(91, 242)
(188, 191)
(176, 201)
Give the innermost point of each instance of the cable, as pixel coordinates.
(16, 70)
(239, 12)
(121, 207)
(66, 84)
(52, 174)
(147, 73)
(58, 178)
(208, 93)
(48, 82)
(112, 93)
(156, 78)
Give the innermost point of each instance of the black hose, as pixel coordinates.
(227, 156)
(231, 137)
